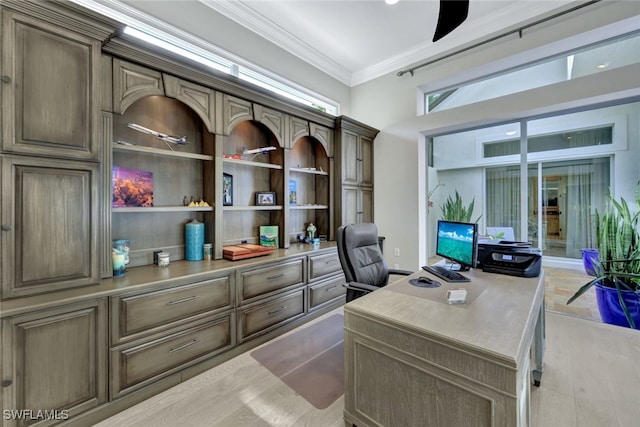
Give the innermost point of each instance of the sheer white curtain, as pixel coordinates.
(503, 197)
(587, 185)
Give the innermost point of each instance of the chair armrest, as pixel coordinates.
(401, 272)
(357, 286)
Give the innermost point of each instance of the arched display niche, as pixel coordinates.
(257, 178)
(178, 172)
(309, 188)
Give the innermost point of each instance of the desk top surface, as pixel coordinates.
(498, 319)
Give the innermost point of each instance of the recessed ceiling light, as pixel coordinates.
(602, 66)
(391, 1)
(511, 132)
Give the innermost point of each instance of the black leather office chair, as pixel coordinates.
(364, 267)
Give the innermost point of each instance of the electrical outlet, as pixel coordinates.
(396, 266)
(396, 252)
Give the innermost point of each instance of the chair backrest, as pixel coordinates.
(360, 254)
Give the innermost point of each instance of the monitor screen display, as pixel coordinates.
(457, 241)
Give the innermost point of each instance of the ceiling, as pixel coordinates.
(353, 40)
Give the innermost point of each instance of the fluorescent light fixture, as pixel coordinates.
(141, 35)
(602, 66)
(286, 91)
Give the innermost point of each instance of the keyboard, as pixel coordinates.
(445, 274)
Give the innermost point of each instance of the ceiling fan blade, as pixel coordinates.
(452, 14)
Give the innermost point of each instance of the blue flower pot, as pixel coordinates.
(590, 259)
(609, 306)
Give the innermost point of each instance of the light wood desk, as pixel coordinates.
(412, 359)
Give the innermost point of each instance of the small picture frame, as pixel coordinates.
(227, 189)
(265, 198)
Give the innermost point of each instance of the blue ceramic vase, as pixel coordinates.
(609, 306)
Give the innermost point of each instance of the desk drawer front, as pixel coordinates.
(265, 316)
(323, 265)
(264, 280)
(151, 360)
(144, 311)
(326, 291)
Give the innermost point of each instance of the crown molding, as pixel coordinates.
(253, 21)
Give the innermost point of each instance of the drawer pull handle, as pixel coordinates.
(275, 277)
(183, 346)
(331, 287)
(180, 301)
(333, 261)
(276, 311)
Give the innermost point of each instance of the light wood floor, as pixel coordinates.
(590, 379)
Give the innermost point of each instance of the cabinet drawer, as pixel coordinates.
(136, 365)
(260, 282)
(323, 265)
(149, 310)
(326, 291)
(265, 316)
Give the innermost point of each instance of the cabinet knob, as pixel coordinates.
(6, 383)
(6, 79)
(5, 227)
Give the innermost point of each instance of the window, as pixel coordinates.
(573, 161)
(561, 213)
(554, 141)
(607, 55)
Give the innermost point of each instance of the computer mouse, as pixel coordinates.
(424, 279)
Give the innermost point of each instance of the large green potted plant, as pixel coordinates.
(454, 209)
(617, 272)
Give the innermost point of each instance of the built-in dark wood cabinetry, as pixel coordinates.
(50, 224)
(50, 78)
(55, 359)
(76, 339)
(354, 174)
(49, 185)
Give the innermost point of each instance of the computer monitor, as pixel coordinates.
(458, 242)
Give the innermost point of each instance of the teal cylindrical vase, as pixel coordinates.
(194, 239)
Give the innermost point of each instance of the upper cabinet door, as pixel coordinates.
(50, 89)
(49, 217)
(350, 158)
(366, 160)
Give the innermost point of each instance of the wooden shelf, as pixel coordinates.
(308, 207)
(162, 209)
(160, 151)
(251, 164)
(309, 171)
(252, 208)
